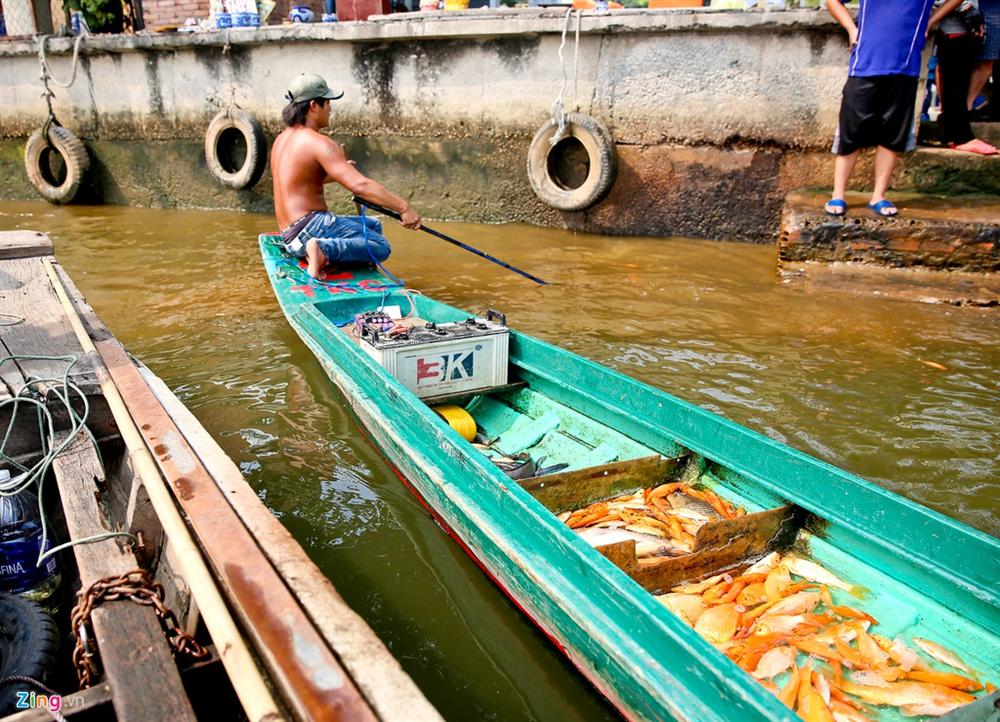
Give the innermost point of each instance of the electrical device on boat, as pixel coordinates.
(436, 359)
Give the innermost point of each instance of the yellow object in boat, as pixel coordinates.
(459, 419)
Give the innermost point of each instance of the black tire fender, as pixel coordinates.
(29, 642)
(230, 132)
(586, 149)
(75, 161)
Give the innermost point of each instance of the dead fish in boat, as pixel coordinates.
(686, 606)
(694, 508)
(519, 466)
(913, 698)
(646, 545)
(813, 572)
(942, 655)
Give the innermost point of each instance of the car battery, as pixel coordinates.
(443, 358)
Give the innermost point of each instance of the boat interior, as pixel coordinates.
(569, 460)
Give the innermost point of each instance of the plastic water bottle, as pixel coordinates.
(20, 544)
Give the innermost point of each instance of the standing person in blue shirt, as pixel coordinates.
(881, 91)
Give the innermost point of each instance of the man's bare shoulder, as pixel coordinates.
(306, 139)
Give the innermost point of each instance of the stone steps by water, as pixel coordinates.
(955, 233)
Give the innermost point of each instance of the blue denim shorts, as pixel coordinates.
(341, 239)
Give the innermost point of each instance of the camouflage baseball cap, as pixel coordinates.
(310, 87)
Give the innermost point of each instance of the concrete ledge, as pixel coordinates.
(942, 170)
(959, 233)
(481, 23)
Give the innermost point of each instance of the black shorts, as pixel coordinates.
(877, 111)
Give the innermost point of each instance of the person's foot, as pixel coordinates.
(836, 207)
(883, 208)
(316, 259)
(975, 145)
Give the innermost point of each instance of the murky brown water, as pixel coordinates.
(838, 376)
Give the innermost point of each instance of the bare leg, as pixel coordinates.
(885, 160)
(842, 167)
(315, 257)
(980, 74)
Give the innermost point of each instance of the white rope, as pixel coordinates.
(15, 319)
(558, 110)
(47, 75)
(576, 56)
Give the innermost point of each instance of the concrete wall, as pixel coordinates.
(651, 76)
(708, 109)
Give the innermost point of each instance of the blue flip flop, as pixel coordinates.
(839, 205)
(883, 205)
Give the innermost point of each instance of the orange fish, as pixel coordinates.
(955, 681)
(942, 654)
(774, 662)
(811, 706)
(790, 691)
(913, 698)
(718, 624)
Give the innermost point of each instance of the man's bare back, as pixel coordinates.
(303, 160)
(297, 173)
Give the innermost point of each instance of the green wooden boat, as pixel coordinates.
(927, 575)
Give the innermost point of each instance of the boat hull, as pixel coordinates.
(646, 661)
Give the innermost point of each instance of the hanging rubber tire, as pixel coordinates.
(235, 149)
(578, 170)
(29, 641)
(57, 177)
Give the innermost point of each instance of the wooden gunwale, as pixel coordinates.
(778, 475)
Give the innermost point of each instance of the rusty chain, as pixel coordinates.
(137, 586)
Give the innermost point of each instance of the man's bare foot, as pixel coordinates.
(315, 258)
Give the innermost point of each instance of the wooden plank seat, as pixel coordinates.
(135, 656)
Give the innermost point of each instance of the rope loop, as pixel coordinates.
(559, 115)
(47, 71)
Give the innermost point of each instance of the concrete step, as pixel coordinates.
(960, 233)
(930, 132)
(948, 172)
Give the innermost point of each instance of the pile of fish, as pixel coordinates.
(779, 618)
(663, 521)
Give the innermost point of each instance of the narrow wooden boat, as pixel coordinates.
(920, 574)
(143, 506)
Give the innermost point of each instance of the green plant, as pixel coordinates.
(101, 15)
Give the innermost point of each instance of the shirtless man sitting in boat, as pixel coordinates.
(302, 160)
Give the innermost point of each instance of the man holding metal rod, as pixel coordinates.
(302, 161)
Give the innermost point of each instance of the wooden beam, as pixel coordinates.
(137, 661)
(24, 244)
(570, 490)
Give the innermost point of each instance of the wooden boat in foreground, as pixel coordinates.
(603, 435)
(163, 507)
